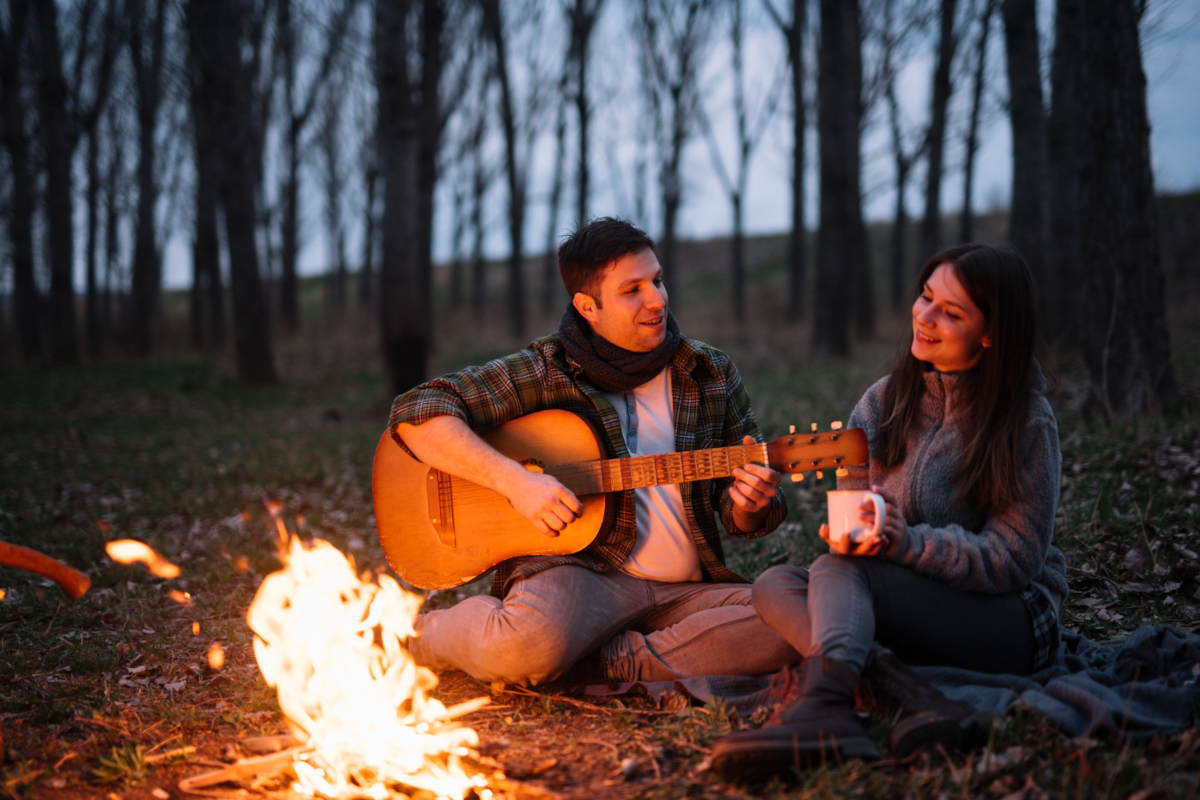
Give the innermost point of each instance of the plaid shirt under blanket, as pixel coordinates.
(711, 408)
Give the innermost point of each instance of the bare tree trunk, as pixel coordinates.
(112, 216)
(366, 278)
(478, 265)
(931, 225)
(297, 112)
(289, 196)
(1125, 338)
(841, 238)
(550, 277)
(93, 336)
(208, 296)
(737, 257)
(336, 280)
(215, 37)
(208, 300)
(409, 133)
(16, 142)
(583, 21)
(967, 225)
(147, 270)
(58, 145)
(793, 34)
(1029, 213)
(673, 36)
(797, 249)
(514, 171)
(1066, 139)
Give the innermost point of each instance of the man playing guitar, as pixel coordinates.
(651, 597)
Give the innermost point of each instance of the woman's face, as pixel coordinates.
(948, 328)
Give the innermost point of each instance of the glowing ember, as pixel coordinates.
(333, 647)
(216, 655)
(183, 598)
(127, 551)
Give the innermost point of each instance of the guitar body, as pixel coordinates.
(438, 531)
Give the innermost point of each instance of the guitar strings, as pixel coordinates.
(632, 472)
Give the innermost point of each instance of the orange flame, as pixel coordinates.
(127, 551)
(333, 647)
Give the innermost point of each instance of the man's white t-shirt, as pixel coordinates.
(664, 550)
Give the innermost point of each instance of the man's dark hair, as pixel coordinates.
(585, 254)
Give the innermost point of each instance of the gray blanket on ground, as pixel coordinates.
(1143, 685)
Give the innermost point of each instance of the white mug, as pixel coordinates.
(845, 515)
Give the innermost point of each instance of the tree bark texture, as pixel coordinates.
(406, 107)
(841, 240)
(58, 143)
(147, 269)
(1122, 309)
(208, 296)
(514, 171)
(550, 276)
(797, 252)
(215, 40)
(115, 168)
(93, 334)
(1064, 138)
(931, 224)
(26, 298)
(583, 15)
(967, 225)
(366, 278)
(1028, 220)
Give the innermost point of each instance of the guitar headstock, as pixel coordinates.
(834, 449)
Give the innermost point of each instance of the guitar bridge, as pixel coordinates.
(441, 505)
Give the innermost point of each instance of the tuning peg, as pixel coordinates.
(820, 474)
(835, 426)
(791, 428)
(842, 472)
(814, 427)
(797, 477)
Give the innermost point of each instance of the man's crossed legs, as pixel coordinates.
(639, 630)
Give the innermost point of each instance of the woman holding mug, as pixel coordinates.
(964, 572)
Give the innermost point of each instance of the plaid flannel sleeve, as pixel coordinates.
(483, 397)
(739, 422)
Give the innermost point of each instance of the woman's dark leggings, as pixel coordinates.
(842, 605)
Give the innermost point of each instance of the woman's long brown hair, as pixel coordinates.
(997, 391)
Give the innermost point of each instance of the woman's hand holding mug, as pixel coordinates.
(863, 523)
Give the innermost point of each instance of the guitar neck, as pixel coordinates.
(622, 474)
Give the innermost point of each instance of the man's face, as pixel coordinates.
(632, 312)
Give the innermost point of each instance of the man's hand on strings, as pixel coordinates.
(753, 488)
(545, 502)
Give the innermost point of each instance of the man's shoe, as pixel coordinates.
(816, 725)
(920, 714)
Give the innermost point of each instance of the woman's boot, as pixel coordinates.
(816, 725)
(921, 716)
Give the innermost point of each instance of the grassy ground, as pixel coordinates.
(173, 452)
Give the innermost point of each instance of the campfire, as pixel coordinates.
(332, 645)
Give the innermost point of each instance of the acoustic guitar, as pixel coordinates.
(439, 531)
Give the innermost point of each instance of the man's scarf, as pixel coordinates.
(609, 367)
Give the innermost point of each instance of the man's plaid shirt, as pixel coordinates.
(711, 408)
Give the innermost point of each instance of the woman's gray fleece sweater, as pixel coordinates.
(952, 541)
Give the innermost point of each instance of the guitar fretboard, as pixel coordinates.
(621, 474)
